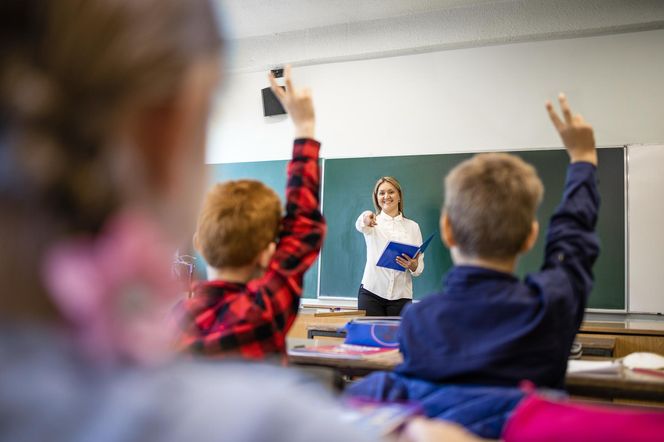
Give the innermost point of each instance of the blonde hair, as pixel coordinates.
(491, 201)
(239, 219)
(393, 181)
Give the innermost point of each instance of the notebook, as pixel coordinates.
(388, 258)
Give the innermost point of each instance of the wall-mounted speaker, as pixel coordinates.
(271, 105)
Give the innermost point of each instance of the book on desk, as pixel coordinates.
(342, 351)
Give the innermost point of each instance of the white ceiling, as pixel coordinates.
(250, 18)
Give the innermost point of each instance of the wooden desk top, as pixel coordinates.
(327, 305)
(625, 384)
(587, 327)
(327, 327)
(649, 328)
(321, 313)
(627, 327)
(352, 367)
(597, 341)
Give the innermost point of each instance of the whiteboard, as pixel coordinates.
(645, 200)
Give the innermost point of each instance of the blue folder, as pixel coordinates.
(388, 258)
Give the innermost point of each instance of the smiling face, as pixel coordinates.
(388, 198)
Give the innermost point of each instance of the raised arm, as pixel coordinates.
(571, 240)
(303, 227)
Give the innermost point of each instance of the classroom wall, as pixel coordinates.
(457, 100)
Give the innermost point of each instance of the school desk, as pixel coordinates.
(626, 384)
(346, 367)
(316, 317)
(630, 335)
(607, 339)
(599, 346)
(332, 306)
(327, 330)
(592, 346)
(623, 385)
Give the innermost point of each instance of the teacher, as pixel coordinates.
(385, 292)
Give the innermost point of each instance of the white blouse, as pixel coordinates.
(387, 283)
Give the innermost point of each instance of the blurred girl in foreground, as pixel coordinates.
(103, 112)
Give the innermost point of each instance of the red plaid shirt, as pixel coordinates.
(251, 320)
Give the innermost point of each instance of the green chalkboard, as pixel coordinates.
(273, 174)
(347, 192)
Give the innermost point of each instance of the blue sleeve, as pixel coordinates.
(571, 243)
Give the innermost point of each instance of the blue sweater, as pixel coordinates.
(490, 328)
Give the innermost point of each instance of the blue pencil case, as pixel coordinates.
(373, 332)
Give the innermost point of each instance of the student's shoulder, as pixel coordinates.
(206, 295)
(422, 307)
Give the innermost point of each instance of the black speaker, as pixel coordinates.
(271, 105)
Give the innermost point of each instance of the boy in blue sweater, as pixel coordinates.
(487, 327)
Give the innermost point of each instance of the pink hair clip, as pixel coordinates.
(116, 289)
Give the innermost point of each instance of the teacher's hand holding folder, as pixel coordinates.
(407, 262)
(399, 256)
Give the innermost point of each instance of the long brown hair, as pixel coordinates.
(70, 71)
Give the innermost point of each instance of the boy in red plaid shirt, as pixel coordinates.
(257, 259)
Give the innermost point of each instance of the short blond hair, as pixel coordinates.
(238, 220)
(491, 201)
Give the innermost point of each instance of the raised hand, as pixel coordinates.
(577, 135)
(298, 104)
(369, 220)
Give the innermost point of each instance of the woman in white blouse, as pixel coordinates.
(385, 292)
